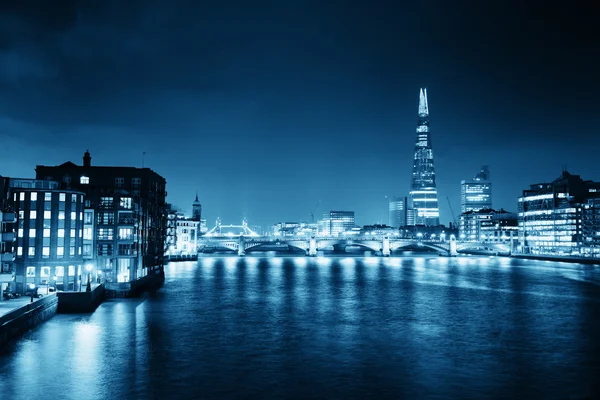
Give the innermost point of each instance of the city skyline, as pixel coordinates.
(304, 119)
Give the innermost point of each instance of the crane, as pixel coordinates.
(452, 212)
(312, 214)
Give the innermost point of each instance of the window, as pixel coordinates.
(73, 215)
(47, 214)
(125, 233)
(106, 218)
(19, 251)
(47, 196)
(31, 272)
(87, 233)
(45, 252)
(22, 196)
(32, 214)
(62, 197)
(80, 232)
(125, 203)
(72, 233)
(73, 198)
(119, 182)
(21, 214)
(67, 179)
(105, 233)
(106, 202)
(61, 215)
(61, 233)
(45, 272)
(80, 214)
(31, 251)
(60, 271)
(20, 233)
(136, 182)
(79, 250)
(88, 217)
(60, 251)
(72, 251)
(105, 250)
(84, 180)
(33, 196)
(87, 249)
(46, 232)
(71, 270)
(32, 233)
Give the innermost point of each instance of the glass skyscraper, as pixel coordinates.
(423, 200)
(476, 194)
(397, 212)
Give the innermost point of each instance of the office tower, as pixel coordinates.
(476, 194)
(397, 212)
(423, 201)
(341, 222)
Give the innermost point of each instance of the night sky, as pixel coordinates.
(266, 107)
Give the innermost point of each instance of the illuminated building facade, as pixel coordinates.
(591, 227)
(397, 212)
(341, 222)
(551, 215)
(127, 236)
(423, 200)
(488, 225)
(49, 238)
(8, 222)
(476, 194)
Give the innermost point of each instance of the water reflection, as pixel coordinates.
(365, 327)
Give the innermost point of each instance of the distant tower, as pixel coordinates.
(87, 159)
(423, 200)
(196, 209)
(476, 194)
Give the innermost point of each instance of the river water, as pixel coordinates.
(331, 328)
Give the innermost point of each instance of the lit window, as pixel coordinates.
(79, 250)
(80, 232)
(22, 196)
(87, 234)
(125, 202)
(88, 217)
(71, 270)
(73, 215)
(72, 233)
(73, 198)
(80, 214)
(72, 251)
(33, 196)
(60, 271)
(62, 197)
(61, 215)
(20, 232)
(32, 233)
(45, 251)
(30, 272)
(45, 272)
(32, 214)
(61, 233)
(48, 196)
(46, 232)
(60, 251)
(31, 251)
(84, 180)
(47, 214)
(21, 214)
(19, 251)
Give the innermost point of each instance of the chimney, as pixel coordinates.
(87, 159)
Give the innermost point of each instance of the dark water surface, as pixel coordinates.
(335, 328)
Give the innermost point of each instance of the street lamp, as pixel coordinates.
(88, 268)
(31, 287)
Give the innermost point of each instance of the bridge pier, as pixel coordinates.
(385, 247)
(452, 252)
(241, 246)
(312, 247)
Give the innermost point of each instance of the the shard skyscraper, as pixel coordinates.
(423, 201)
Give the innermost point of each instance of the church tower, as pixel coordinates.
(196, 209)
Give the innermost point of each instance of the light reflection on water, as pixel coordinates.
(327, 327)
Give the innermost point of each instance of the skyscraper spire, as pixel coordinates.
(423, 107)
(423, 202)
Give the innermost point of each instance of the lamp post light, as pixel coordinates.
(88, 268)
(31, 288)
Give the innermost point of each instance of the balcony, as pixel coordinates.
(7, 257)
(8, 237)
(9, 217)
